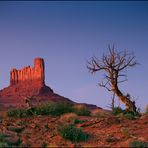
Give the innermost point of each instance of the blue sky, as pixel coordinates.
(66, 34)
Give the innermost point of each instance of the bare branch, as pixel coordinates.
(102, 85)
(122, 81)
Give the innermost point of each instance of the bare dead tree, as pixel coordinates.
(114, 65)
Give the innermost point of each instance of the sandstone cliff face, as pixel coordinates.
(28, 82)
(28, 74)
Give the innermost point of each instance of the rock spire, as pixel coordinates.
(28, 74)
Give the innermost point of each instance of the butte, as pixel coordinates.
(28, 82)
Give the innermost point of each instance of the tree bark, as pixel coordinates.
(130, 105)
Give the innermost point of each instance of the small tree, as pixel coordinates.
(114, 65)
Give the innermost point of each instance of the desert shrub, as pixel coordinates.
(43, 109)
(22, 123)
(16, 129)
(117, 110)
(139, 144)
(20, 113)
(14, 144)
(129, 115)
(52, 108)
(77, 121)
(6, 143)
(126, 132)
(111, 139)
(68, 117)
(81, 110)
(44, 145)
(72, 133)
(3, 143)
(125, 113)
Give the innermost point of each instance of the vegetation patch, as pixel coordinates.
(22, 123)
(52, 108)
(6, 143)
(140, 144)
(117, 110)
(124, 113)
(77, 121)
(111, 139)
(126, 132)
(72, 133)
(16, 129)
(19, 113)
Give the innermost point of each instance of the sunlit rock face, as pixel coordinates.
(28, 74)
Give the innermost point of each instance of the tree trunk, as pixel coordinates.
(130, 105)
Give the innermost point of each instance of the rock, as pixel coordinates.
(141, 138)
(33, 125)
(29, 74)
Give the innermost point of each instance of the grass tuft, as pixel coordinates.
(72, 133)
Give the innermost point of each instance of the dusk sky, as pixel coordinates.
(66, 34)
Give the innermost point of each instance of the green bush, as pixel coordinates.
(139, 144)
(20, 113)
(14, 144)
(129, 115)
(16, 129)
(72, 133)
(117, 110)
(125, 113)
(77, 121)
(5, 143)
(52, 108)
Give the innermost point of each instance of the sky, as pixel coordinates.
(66, 35)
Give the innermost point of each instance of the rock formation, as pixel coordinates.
(28, 82)
(28, 74)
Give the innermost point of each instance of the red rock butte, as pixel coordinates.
(26, 82)
(30, 82)
(28, 74)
